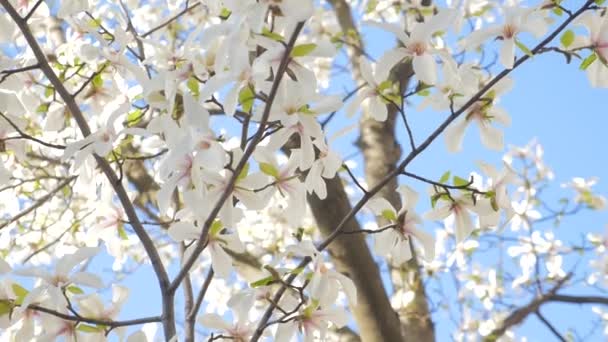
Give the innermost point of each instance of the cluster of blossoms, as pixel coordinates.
(200, 139)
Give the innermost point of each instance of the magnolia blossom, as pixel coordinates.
(324, 281)
(242, 328)
(418, 45)
(102, 141)
(286, 182)
(584, 193)
(324, 167)
(461, 208)
(310, 320)
(597, 26)
(373, 97)
(517, 21)
(396, 241)
(483, 113)
(297, 104)
(217, 243)
(52, 284)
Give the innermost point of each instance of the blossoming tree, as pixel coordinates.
(201, 140)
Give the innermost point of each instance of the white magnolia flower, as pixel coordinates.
(584, 193)
(372, 97)
(597, 26)
(396, 241)
(461, 208)
(311, 319)
(326, 166)
(52, 284)
(242, 328)
(483, 113)
(217, 242)
(418, 45)
(517, 20)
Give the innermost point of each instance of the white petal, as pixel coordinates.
(384, 242)
(367, 72)
(386, 63)
(491, 137)
(138, 336)
(181, 231)
(428, 243)
(195, 114)
(87, 279)
(231, 99)
(439, 213)
(507, 53)
(377, 109)
(335, 315)
(285, 331)
(69, 261)
(220, 260)
(348, 286)
(425, 68)
(297, 10)
(214, 322)
(454, 135)
(4, 266)
(464, 226)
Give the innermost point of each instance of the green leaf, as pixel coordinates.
(371, 6)
(20, 292)
(88, 328)
(225, 13)
(43, 108)
(384, 85)
(599, 2)
(523, 48)
(243, 173)
(588, 61)
(272, 35)
(270, 170)
(262, 282)
(134, 117)
(303, 50)
(389, 215)
(558, 11)
(75, 289)
(6, 307)
(459, 181)
(216, 227)
(97, 81)
(567, 38)
(122, 233)
(445, 177)
(424, 92)
(49, 91)
(193, 85)
(246, 98)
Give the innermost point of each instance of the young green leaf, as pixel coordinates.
(567, 38)
(303, 50)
